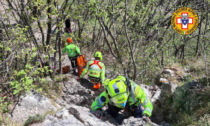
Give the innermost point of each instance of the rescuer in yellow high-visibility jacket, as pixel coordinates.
(122, 94)
(96, 70)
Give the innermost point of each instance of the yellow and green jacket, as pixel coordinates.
(96, 69)
(72, 50)
(136, 97)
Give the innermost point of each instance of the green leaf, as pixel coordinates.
(8, 49)
(1, 46)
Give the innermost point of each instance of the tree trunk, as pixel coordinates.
(59, 48)
(55, 63)
(49, 24)
(129, 43)
(198, 39)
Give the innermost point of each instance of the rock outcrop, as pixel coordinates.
(72, 108)
(131, 121)
(73, 115)
(186, 99)
(73, 105)
(176, 97)
(31, 104)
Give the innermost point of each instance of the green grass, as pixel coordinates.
(50, 87)
(34, 119)
(60, 78)
(39, 118)
(191, 120)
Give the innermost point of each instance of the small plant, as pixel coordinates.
(51, 88)
(61, 78)
(4, 105)
(33, 119)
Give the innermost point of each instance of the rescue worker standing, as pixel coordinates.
(73, 51)
(122, 94)
(96, 70)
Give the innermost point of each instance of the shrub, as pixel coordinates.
(33, 119)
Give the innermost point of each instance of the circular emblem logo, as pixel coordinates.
(184, 20)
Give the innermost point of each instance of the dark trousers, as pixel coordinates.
(136, 111)
(94, 79)
(73, 61)
(112, 110)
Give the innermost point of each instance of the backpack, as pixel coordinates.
(81, 64)
(65, 69)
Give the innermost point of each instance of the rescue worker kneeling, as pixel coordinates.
(96, 70)
(122, 94)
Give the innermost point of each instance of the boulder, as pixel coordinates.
(73, 115)
(175, 101)
(31, 104)
(131, 121)
(163, 80)
(172, 74)
(151, 91)
(189, 99)
(169, 71)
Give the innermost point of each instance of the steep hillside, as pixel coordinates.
(71, 107)
(65, 101)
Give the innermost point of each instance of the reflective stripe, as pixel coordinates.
(115, 87)
(148, 110)
(102, 80)
(95, 107)
(94, 74)
(122, 85)
(95, 69)
(71, 55)
(132, 94)
(145, 102)
(99, 102)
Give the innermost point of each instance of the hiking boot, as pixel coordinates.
(73, 71)
(96, 86)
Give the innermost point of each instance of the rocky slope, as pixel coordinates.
(72, 108)
(181, 101)
(72, 105)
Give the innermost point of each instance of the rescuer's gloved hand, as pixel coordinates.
(146, 118)
(99, 114)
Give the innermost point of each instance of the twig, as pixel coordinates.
(4, 83)
(15, 104)
(7, 59)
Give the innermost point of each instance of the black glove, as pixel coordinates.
(119, 118)
(133, 108)
(99, 114)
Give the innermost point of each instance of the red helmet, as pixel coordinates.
(69, 40)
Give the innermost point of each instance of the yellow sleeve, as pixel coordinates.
(64, 50)
(144, 101)
(100, 101)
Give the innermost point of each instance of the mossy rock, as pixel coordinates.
(187, 99)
